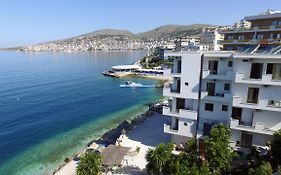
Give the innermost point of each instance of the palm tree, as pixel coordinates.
(157, 158)
(90, 164)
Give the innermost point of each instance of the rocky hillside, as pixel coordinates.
(172, 31)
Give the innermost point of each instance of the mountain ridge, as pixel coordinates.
(118, 39)
(156, 33)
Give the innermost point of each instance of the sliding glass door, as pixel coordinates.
(276, 74)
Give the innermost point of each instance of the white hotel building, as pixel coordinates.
(240, 90)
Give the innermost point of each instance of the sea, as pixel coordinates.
(53, 104)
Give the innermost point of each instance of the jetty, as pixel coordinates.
(120, 71)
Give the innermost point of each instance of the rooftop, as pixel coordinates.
(264, 15)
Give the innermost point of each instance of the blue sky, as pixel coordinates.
(32, 21)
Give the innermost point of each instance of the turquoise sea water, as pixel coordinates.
(53, 104)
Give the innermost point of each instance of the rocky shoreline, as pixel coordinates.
(112, 135)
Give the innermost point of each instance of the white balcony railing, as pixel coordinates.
(258, 127)
(169, 91)
(227, 75)
(183, 113)
(168, 129)
(223, 97)
(266, 79)
(187, 132)
(262, 104)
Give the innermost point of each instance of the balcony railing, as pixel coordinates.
(187, 113)
(274, 103)
(262, 104)
(258, 127)
(169, 129)
(266, 79)
(226, 75)
(225, 97)
(272, 27)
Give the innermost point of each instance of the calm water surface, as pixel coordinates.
(52, 104)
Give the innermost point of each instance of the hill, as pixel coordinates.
(172, 31)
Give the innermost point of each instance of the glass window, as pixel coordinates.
(269, 68)
(224, 108)
(230, 63)
(209, 107)
(246, 139)
(276, 74)
(260, 36)
(226, 86)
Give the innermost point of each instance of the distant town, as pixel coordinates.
(189, 37)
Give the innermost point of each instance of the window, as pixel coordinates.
(207, 129)
(276, 72)
(230, 37)
(209, 107)
(230, 63)
(260, 36)
(226, 86)
(241, 37)
(274, 23)
(246, 139)
(224, 108)
(213, 66)
(253, 95)
(269, 68)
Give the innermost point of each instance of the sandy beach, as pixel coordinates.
(144, 132)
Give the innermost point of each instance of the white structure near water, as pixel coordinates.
(240, 90)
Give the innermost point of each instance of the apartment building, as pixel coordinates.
(261, 29)
(211, 37)
(240, 90)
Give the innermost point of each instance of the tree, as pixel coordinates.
(90, 164)
(276, 147)
(187, 162)
(219, 153)
(264, 169)
(158, 158)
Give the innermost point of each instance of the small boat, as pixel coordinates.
(131, 84)
(109, 73)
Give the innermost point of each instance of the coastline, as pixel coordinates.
(110, 136)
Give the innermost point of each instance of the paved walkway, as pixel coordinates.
(144, 136)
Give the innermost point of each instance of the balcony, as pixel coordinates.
(175, 73)
(227, 75)
(220, 97)
(170, 130)
(182, 113)
(261, 104)
(252, 29)
(235, 41)
(187, 133)
(258, 127)
(265, 80)
(169, 91)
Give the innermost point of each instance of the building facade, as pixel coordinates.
(242, 91)
(261, 29)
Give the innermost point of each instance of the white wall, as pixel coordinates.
(272, 120)
(258, 139)
(190, 74)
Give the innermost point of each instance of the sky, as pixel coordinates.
(25, 22)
